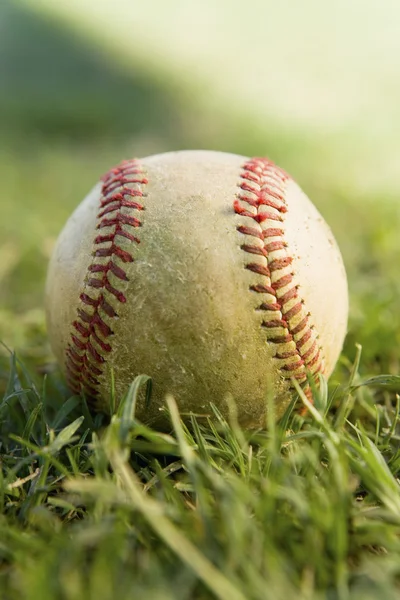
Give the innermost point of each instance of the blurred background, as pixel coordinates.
(313, 85)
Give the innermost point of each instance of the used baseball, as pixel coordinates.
(212, 273)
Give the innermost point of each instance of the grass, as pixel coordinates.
(309, 508)
(97, 508)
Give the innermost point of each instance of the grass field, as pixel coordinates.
(309, 508)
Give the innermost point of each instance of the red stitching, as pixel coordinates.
(240, 210)
(283, 282)
(250, 231)
(292, 293)
(107, 308)
(122, 254)
(110, 266)
(118, 231)
(300, 326)
(280, 263)
(269, 307)
(269, 202)
(273, 246)
(262, 289)
(247, 188)
(84, 331)
(95, 283)
(315, 362)
(119, 295)
(80, 345)
(273, 232)
(293, 366)
(260, 269)
(91, 335)
(263, 184)
(267, 216)
(304, 339)
(310, 351)
(115, 204)
(293, 311)
(117, 220)
(276, 323)
(251, 249)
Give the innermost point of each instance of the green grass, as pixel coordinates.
(309, 509)
(90, 508)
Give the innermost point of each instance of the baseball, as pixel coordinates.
(212, 273)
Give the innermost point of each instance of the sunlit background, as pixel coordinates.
(313, 85)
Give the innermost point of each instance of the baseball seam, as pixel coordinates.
(261, 205)
(103, 291)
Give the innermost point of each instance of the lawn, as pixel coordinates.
(308, 508)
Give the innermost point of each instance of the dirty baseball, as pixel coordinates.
(212, 273)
